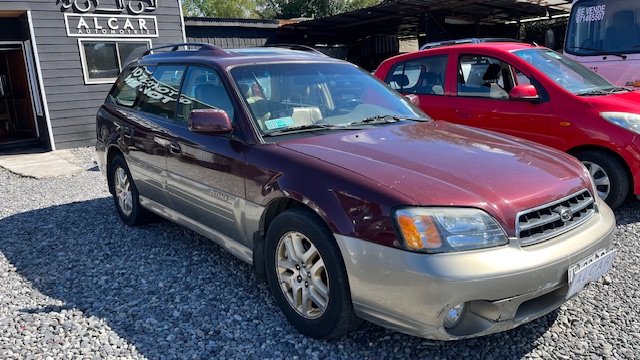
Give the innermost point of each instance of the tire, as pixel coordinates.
(125, 194)
(609, 175)
(320, 279)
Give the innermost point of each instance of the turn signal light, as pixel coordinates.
(419, 230)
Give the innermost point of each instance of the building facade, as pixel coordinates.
(59, 58)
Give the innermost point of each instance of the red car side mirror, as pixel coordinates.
(210, 121)
(414, 99)
(524, 92)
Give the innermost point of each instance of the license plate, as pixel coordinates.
(588, 270)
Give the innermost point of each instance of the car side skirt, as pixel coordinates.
(240, 251)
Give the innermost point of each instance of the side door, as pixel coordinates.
(146, 99)
(425, 77)
(206, 172)
(482, 98)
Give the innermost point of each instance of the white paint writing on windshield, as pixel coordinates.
(590, 13)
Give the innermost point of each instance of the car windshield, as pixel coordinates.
(572, 76)
(604, 27)
(289, 97)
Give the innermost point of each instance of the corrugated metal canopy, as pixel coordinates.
(409, 17)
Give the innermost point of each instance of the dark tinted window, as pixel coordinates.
(159, 93)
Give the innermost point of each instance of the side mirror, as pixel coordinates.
(524, 92)
(550, 39)
(414, 99)
(209, 121)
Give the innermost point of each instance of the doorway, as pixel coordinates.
(17, 119)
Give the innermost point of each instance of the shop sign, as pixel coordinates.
(111, 25)
(91, 18)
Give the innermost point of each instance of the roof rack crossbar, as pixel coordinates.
(296, 47)
(175, 47)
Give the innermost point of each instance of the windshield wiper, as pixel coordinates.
(619, 89)
(600, 52)
(593, 92)
(607, 91)
(385, 119)
(302, 128)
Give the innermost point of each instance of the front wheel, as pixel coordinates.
(609, 176)
(307, 276)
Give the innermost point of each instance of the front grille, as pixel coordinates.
(541, 223)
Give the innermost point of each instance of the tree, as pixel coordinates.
(239, 9)
(288, 9)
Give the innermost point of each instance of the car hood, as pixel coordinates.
(441, 164)
(624, 102)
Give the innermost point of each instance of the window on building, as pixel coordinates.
(102, 61)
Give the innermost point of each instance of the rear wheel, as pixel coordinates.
(609, 176)
(125, 194)
(307, 276)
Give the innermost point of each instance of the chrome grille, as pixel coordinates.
(541, 223)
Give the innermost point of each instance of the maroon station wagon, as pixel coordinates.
(348, 199)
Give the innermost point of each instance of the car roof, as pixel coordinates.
(502, 46)
(508, 46)
(200, 53)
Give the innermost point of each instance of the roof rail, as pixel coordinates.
(296, 47)
(465, 41)
(175, 47)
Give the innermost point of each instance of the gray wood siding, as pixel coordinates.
(229, 38)
(72, 103)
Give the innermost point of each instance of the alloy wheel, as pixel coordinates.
(302, 275)
(123, 191)
(600, 178)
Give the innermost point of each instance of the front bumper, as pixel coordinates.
(504, 287)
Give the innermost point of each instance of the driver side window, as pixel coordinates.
(483, 76)
(203, 89)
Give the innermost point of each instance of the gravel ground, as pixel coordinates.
(77, 283)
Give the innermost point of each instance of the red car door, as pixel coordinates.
(480, 88)
(425, 77)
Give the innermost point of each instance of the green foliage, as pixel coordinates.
(535, 31)
(239, 9)
(289, 9)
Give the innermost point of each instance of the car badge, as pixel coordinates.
(564, 212)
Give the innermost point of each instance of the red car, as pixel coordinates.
(534, 93)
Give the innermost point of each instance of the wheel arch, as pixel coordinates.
(612, 153)
(273, 209)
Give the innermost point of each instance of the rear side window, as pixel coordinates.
(150, 89)
(159, 95)
(424, 75)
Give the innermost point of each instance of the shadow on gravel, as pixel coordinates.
(628, 212)
(172, 293)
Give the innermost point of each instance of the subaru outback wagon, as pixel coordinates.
(345, 197)
(534, 93)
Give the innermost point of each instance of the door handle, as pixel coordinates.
(463, 115)
(174, 148)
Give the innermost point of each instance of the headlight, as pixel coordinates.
(437, 230)
(625, 120)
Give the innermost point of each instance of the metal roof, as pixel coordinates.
(408, 17)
